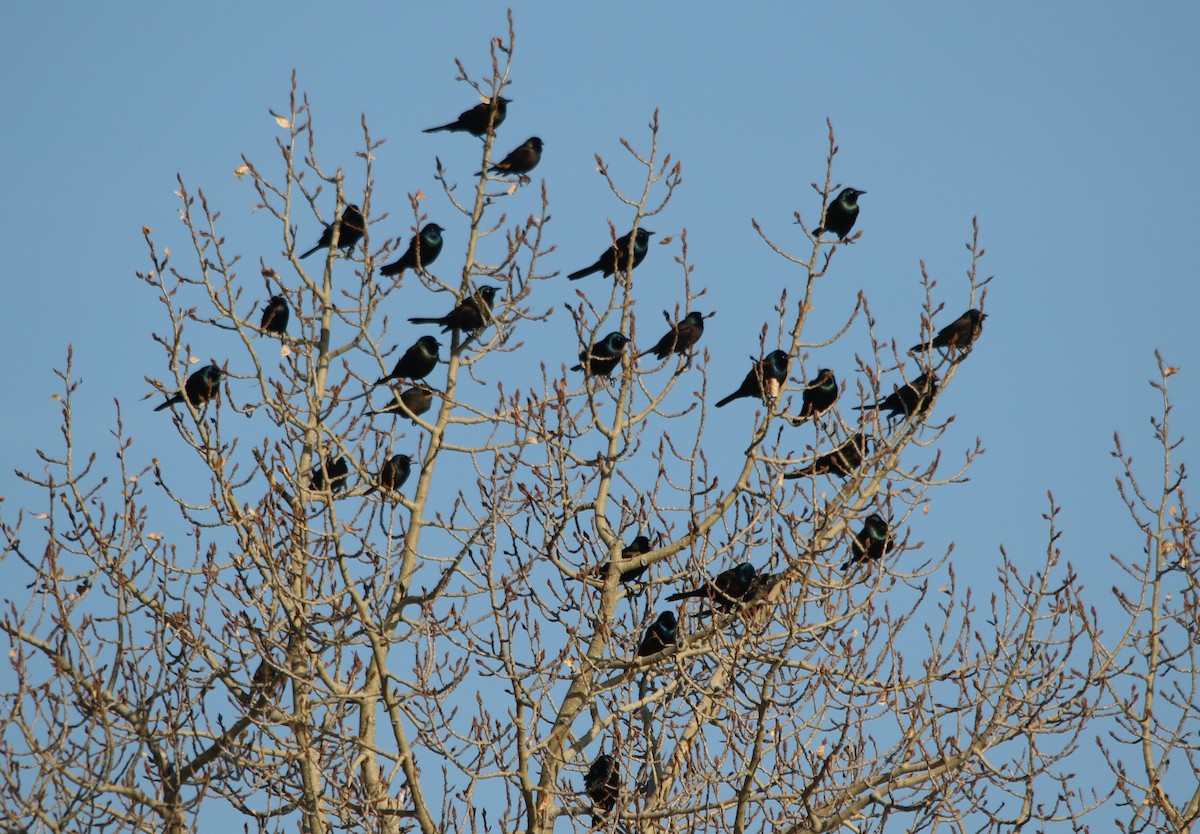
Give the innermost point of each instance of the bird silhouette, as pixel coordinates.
(333, 475)
(724, 591)
(353, 227)
(872, 542)
(413, 402)
(841, 214)
(275, 316)
(475, 120)
(417, 362)
(392, 476)
(602, 784)
(422, 251)
(639, 546)
(473, 313)
(842, 461)
(959, 334)
(602, 357)
(912, 398)
(521, 161)
(680, 339)
(819, 396)
(200, 387)
(661, 633)
(764, 380)
(616, 257)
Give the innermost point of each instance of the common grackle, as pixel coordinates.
(616, 257)
(414, 402)
(353, 226)
(521, 161)
(819, 396)
(635, 548)
(338, 471)
(394, 473)
(872, 542)
(680, 338)
(912, 398)
(841, 214)
(275, 316)
(958, 334)
(662, 633)
(422, 250)
(602, 784)
(764, 380)
(842, 461)
(417, 362)
(200, 387)
(473, 313)
(475, 120)
(603, 356)
(726, 590)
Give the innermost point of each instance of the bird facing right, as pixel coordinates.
(422, 251)
(959, 334)
(764, 380)
(522, 160)
(275, 316)
(841, 214)
(661, 634)
(353, 227)
(872, 542)
(417, 362)
(601, 358)
(200, 387)
(680, 339)
(475, 120)
(616, 257)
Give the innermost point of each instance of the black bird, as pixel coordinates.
(958, 334)
(841, 214)
(475, 120)
(872, 542)
(200, 387)
(726, 590)
(602, 357)
(339, 473)
(602, 784)
(764, 380)
(472, 313)
(912, 398)
(616, 257)
(635, 548)
(393, 474)
(414, 402)
(353, 226)
(422, 250)
(275, 316)
(680, 338)
(819, 397)
(521, 161)
(417, 362)
(662, 633)
(842, 461)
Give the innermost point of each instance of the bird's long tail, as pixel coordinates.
(436, 129)
(425, 320)
(310, 251)
(583, 273)
(167, 404)
(692, 594)
(727, 400)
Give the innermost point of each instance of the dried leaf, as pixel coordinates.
(241, 171)
(283, 123)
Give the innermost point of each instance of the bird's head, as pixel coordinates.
(825, 377)
(535, 143)
(616, 342)
(745, 572)
(429, 344)
(667, 618)
(694, 317)
(432, 231)
(487, 292)
(643, 236)
(849, 196)
(640, 544)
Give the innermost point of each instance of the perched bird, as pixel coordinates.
(475, 120)
(635, 548)
(764, 380)
(602, 784)
(353, 227)
(912, 398)
(275, 316)
(414, 402)
(422, 251)
(680, 338)
(958, 334)
(616, 257)
(417, 362)
(393, 474)
(819, 396)
(521, 161)
(602, 357)
(841, 214)
(662, 633)
(726, 590)
(842, 461)
(472, 313)
(872, 542)
(338, 471)
(202, 386)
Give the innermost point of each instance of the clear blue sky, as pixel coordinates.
(1070, 129)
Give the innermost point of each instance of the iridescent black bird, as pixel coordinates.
(353, 226)
(662, 633)
(635, 548)
(602, 357)
(521, 161)
(873, 542)
(275, 316)
(200, 387)
(414, 402)
(417, 362)
(616, 257)
(392, 476)
(680, 339)
(473, 313)
(423, 249)
(842, 461)
(913, 398)
(475, 120)
(841, 214)
(724, 591)
(764, 380)
(819, 396)
(338, 471)
(602, 784)
(958, 334)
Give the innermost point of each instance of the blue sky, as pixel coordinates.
(1069, 129)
